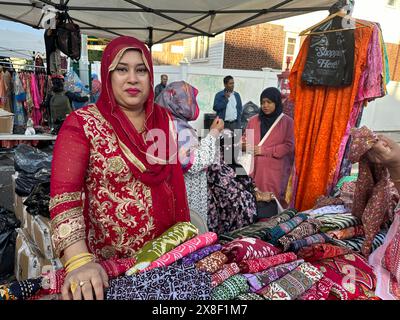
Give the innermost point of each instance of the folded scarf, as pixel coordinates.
(284, 228)
(248, 248)
(261, 264)
(315, 238)
(338, 221)
(293, 284)
(184, 249)
(167, 241)
(201, 254)
(306, 228)
(225, 273)
(213, 262)
(321, 251)
(260, 280)
(231, 288)
(347, 233)
(356, 243)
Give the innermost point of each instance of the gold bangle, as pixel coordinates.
(78, 257)
(78, 265)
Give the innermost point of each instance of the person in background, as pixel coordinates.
(57, 103)
(273, 159)
(179, 98)
(96, 88)
(228, 105)
(76, 100)
(161, 86)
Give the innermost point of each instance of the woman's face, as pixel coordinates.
(267, 106)
(130, 81)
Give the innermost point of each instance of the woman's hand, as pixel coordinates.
(256, 150)
(216, 127)
(87, 282)
(386, 152)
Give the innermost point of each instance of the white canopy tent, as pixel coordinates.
(156, 21)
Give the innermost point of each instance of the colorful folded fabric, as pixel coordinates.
(338, 221)
(201, 254)
(175, 282)
(305, 229)
(249, 296)
(213, 262)
(321, 251)
(328, 210)
(260, 280)
(259, 229)
(231, 288)
(261, 264)
(248, 248)
(314, 239)
(319, 291)
(225, 273)
(356, 243)
(352, 275)
(293, 284)
(184, 249)
(20, 290)
(347, 233)
(167, 241)
(284, 228)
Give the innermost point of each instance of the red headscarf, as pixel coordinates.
(156, 118)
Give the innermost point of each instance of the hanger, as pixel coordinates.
(342, 14)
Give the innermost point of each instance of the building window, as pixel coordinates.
(291, 50)
(200, 48)
(177, 49)
(157, 47)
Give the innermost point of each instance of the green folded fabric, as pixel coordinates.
(170, 239)
(231, 288)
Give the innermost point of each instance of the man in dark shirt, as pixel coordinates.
(161, 86)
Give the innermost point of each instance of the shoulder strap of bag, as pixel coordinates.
(270, 130)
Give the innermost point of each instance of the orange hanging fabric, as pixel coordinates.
(321, 117)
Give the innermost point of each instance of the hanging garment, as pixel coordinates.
(36, 112)
(19, 98)
(322, 114)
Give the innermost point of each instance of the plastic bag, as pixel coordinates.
(8, 236)
(30, 160)
(25, 183)
(38, 201)
(330, 58)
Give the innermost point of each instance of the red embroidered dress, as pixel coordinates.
(103, 189)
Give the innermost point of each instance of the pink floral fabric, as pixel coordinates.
(213, 262)
(225, 273)
(248, 248)
(261, 264)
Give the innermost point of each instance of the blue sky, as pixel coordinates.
(18, 27)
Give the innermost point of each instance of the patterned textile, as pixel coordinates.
(373, 195)
(352, 273)
(338, 221)
(20, 290)
(347, 194)
(201, 254)
(319, 291)
(259, 229)
(392, 257)
(293, 284)
(355, 244)
(248, 248)
(183, 250)
(321, 251)
(231, 200)
(306, 228)
(167, 241)
(347, 233)
(231, 288)
(225, 273)
(260, 280)
(249, 296)
(314, 239)
(213, 262)
(324, 201)
(284, 228)
(175, 282)
(327, 210)
(261, 264)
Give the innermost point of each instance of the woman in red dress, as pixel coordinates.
(115, 183)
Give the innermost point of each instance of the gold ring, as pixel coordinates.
(82, 283)
(74, 286)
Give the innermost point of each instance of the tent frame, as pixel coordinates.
(187, 29)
